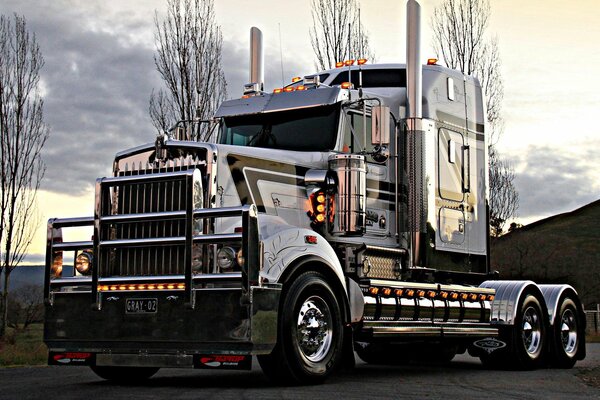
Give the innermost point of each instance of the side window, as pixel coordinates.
(354, 133)
(450, 165)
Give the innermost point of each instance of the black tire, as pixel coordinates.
(125, 374)
(567, 335)
(526, 340)
(310, 334)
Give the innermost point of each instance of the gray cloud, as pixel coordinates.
(554, 180)
(96, 86)
(97, 79)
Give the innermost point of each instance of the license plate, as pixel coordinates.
(141, 306)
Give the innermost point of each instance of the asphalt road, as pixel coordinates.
(462, 379)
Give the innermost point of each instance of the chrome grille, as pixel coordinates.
(152, 196)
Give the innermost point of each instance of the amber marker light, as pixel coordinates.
(151, 287)
(490, 297)
(454, 296)
(122, 287)
(410, 293)
(289, 89)
(348, 63)
(386, 291)
(464, 296)
(181, 286)
(278, 90)
(473, 297)
(399, 292)
(296, 79)
(432, 61)
(339, 64)
(246, 96)
(361, 61)
(431, 294)
(482, 297)
(346, 85)
(373, 290)
(301, 87)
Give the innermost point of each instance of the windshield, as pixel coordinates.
(309, 129)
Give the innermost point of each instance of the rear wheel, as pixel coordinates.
(309, 343)
(526, 340)
(125, 374)
(567, 335)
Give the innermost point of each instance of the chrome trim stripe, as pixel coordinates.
(160, 177)
(205, 278)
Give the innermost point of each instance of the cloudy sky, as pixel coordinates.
(99, 73)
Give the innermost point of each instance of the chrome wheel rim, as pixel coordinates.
(313, 329)
(568, 332)
(532, 331)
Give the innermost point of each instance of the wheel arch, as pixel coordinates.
(554, 295)
(314, 263)
(506, 300)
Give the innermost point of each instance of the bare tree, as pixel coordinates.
(337, 33)
(23, 134)
(26, 306)
(188, 58)
(459, 38)
(504, 199)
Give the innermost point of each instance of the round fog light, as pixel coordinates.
(225, 258)
(83, 263)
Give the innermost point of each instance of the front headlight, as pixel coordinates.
(83, 263)
(226, 258)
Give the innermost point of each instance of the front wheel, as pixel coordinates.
(310, 335)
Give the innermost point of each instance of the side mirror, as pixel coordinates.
(380, 125)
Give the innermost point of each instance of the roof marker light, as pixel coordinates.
(339, 64)
(278, 90)
(432, 61)
(289, 89)
(346, 85)
(361, 61)
(348, 63)
(296, 79)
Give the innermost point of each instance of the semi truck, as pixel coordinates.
(344, 213)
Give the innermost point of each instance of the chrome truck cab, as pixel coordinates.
(346, 211)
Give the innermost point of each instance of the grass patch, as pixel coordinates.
(24, 348)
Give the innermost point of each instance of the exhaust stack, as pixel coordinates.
(415, 140)
(414, 71)
(257, 75)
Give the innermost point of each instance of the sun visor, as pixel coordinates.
(279, 102)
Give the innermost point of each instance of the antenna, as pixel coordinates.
(281, 55)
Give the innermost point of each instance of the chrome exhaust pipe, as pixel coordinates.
(414, 71)
(257, 75)
(415, 141)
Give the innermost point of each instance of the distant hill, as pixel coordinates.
(25, 275)
(564, 248)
